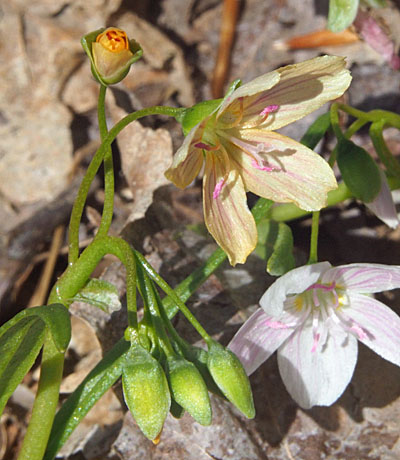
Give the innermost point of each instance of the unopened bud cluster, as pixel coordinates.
(180, 383)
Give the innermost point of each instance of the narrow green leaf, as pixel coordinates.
(316, 131)
(100, 294)
(359, 171)
(341, 14)
(275, 245)
(98, 381)
(55, 317)
(19, 344)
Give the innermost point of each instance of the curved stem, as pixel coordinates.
(73, 279)
(108, 207)
(94, 165)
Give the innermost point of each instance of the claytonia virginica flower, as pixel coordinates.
(313, 316)
(241, 151)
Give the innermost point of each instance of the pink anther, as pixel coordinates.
(269, 109)
(263, 166)
(202, 145)
(218, 188)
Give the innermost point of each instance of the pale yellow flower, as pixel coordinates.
(242, 153)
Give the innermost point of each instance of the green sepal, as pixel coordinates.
(195, 114)
(359, 171)
(275, 245)
(341, 14)
(55, 317)
(20, 344)
(100, 294)
(188, 389)
(87, 42)
(230, 376)
(146, 391)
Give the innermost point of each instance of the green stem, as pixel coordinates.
(385, 155)
(146, 288)
(335, 121)
(391, 118)
(45, 404)
(108, 207)
(313, 259)
(94, 165)
(171, 293)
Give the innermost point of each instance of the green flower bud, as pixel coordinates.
(199, 357)
(228, 373)
(188, 389)
(146, 391)
(111, 54)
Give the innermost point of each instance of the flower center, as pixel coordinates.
(114, 40)
(323, 304)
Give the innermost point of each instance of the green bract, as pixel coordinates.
(146, 391)
(111, 54)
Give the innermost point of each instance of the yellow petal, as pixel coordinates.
(302, 88)
(278, 168)
(188, 160)
(245, 96)
(226, 214)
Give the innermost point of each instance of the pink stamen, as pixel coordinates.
(315, 343)
(263, 167)
(218, 188)
(276, 324)
(359, 331)
(269, 109)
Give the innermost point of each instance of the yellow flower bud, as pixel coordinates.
(111, 54)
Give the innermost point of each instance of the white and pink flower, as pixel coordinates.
(242, 153)
(313, 316)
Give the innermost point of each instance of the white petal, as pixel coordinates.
(319, 377)
(293, 282)
(381, 324)
(383, 206)
(364, 277)
(256, 340)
